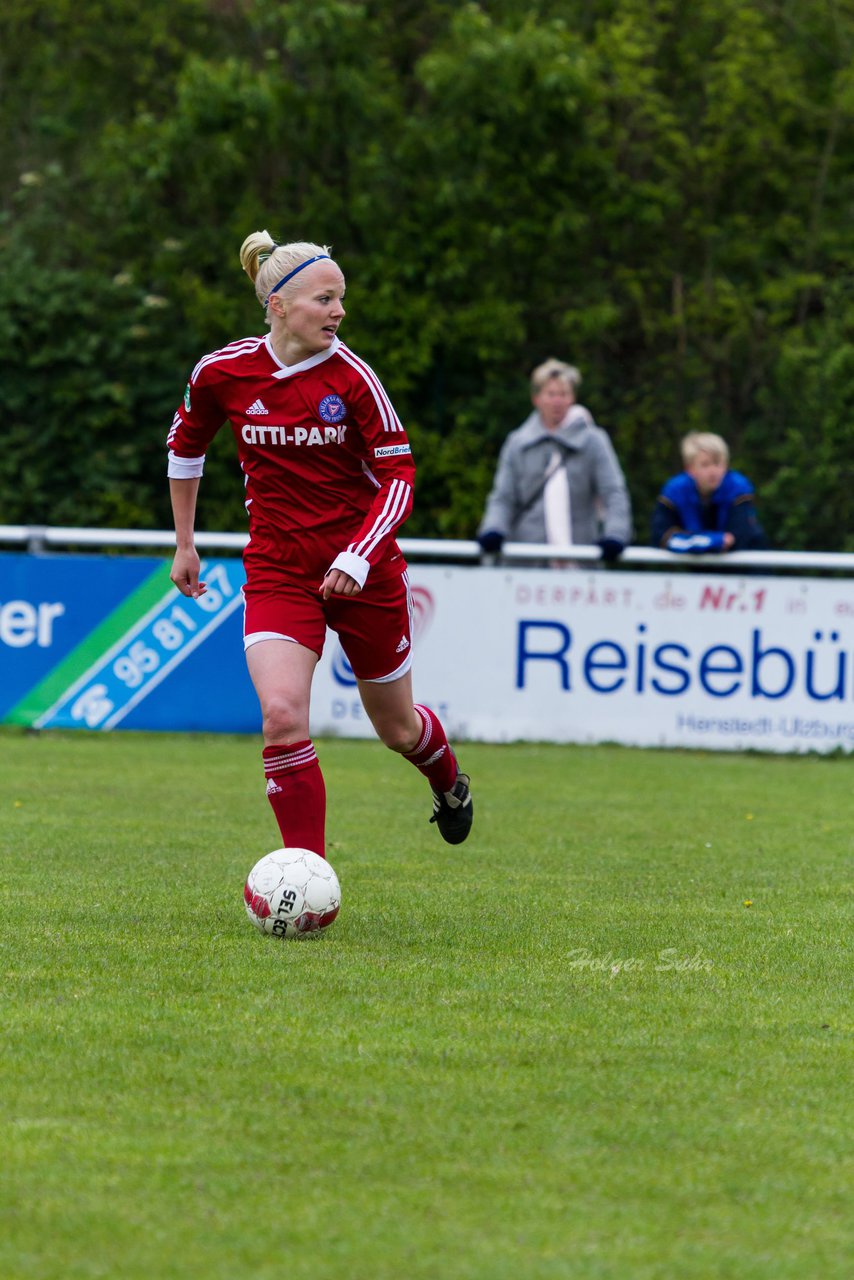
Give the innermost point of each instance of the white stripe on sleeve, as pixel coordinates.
(387, 520)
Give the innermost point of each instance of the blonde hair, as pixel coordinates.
(697, 442)
(265, 262)
(566, 373)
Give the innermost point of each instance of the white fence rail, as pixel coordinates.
(41, 538)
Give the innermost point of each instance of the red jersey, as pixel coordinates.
(327, 465)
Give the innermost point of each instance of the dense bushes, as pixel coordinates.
(659, 193)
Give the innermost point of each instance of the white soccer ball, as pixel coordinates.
(292, 893)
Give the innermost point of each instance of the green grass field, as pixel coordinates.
(609, 1037)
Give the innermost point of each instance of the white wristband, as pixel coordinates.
(357, 566)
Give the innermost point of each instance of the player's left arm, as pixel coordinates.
(387, 461)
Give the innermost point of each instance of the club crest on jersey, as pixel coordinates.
(332, 408)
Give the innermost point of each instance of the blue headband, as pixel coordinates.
(291, 274)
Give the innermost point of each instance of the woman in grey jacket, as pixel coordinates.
(558, 479)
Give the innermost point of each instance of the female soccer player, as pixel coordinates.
(328, 473)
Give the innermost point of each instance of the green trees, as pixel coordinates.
(659, 195)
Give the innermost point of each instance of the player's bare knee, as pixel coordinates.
(399, 737)
(282, 722)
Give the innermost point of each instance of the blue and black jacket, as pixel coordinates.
(682, 521)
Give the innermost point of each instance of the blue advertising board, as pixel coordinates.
(98, 642)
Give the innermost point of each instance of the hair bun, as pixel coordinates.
(256, 246)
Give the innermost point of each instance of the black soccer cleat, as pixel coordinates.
(453, 811)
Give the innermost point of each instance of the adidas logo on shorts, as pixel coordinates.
(404, 644)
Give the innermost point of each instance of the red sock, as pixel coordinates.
(433, 756)
(297, 792)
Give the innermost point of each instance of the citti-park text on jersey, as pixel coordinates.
(262, 433)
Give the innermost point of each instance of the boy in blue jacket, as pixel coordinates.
(707, 508)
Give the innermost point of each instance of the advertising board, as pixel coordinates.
(689, 659)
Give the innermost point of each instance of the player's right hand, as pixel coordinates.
(185, 573)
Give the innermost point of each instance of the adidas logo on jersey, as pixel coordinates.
(404, 644)
(257, 408)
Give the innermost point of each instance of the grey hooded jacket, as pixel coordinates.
(599, 500)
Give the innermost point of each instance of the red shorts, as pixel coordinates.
(374, 627)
